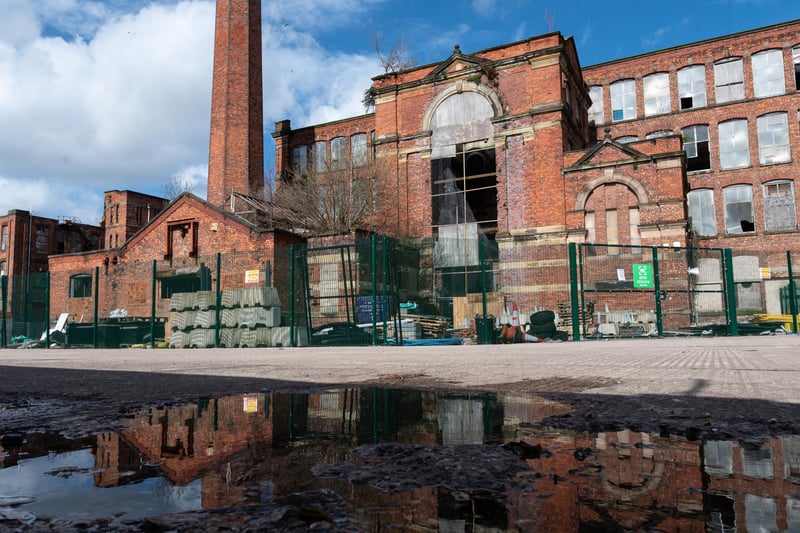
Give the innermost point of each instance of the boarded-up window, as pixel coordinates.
(780, 212)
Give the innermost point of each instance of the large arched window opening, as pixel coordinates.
(463, 189)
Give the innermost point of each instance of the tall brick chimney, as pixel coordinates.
(236, 151)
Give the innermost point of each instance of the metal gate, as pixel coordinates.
(347, 292)
(641, 291)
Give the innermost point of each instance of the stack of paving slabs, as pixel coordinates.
(248, 318)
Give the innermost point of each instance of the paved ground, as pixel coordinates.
(733, 378)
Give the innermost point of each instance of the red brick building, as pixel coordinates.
(522, 147)
(26, 243)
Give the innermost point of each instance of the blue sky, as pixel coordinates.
(99, 95)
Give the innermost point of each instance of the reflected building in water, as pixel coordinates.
(253, 448)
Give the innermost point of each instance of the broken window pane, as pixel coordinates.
(773, 138)
(656, 94)
(738, 201)
(734, 145)
(701, 212)
(796, 61)
(780, 212)
(596, 114)
(623, 100)
(729, 80)
(695, 144)
(692, 86)
(768, 73)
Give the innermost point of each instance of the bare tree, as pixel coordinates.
(335, 200)
(176, 186)
(396, 59)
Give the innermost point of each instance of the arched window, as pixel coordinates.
(80, 286)
(734, 144)
(656, 94)
(729, 80)
(623, 100)
(773, 139)
(692, 86)
(695, 144)
(768, 77)
(702, 214)
(738, 201)
(780, 211)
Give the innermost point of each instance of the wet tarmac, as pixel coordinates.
(372, 458)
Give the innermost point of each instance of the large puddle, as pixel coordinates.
(373, 459)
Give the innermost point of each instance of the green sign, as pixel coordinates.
(642, 276)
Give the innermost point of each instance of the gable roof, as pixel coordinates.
(189, 199)
(607, 146)
(457, 62)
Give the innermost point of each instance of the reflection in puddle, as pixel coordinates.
(409, 460)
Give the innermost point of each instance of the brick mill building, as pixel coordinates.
(522, 147)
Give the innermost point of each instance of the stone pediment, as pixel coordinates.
(457, 62)
(609, 151)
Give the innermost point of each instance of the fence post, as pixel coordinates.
(96, 304)
(47, 309)
(792, 292)
(730, 294)
(153, 307)
(573, 292)
(484, 321)
(657, 293)
(218, 300)
(373, 281)
(386, 307)
(292, 341)
(4, 293)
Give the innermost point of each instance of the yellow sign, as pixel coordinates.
(250, 404)
(765, 273)
(252, 276)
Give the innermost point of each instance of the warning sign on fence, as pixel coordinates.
(642, 276)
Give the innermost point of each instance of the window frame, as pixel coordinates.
(775, 81)
(300, 152)
(726, 69)
(624, 101)
(319, 156)
(597, 108)
(789, 217)
(338, 152)
(739, 204)
(691, 86)
(773, 142)
(655, 89)
(700, 146)
(80, 286)
(4, 238)
(358, 149)
(730, 144)
(702, 212)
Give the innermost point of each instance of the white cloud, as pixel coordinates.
(116, 94)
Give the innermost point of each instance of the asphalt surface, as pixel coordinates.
(629, 381)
